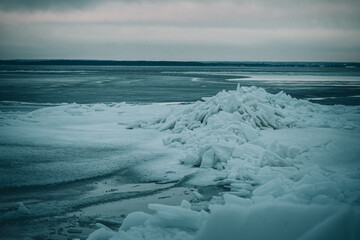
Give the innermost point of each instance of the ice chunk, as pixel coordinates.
(249, 132)
(272, 159)
(198, 196)
(275, 188)
(101, 234)
(208, 159)
(174, 216)
(22, 209)
(185, 204)
(222, 151)
(191, 159)
(134, 219)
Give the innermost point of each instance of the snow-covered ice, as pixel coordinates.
(289, 170)
(64, 143)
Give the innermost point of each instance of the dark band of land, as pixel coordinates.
(171, 63)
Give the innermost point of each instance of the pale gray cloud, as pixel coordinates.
(227, 13)
(205, 30)
(41, 5)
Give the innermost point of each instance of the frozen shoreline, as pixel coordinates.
(258, 150)
(82, 221)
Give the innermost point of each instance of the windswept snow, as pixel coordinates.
(65, 143)
(289, 169)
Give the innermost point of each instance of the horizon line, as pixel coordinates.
(143, 60)
(40, 60)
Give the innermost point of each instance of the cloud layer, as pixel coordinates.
(292, 30)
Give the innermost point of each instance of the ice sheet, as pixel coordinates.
(74, 141)
(289, 168)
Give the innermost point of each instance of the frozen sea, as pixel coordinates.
(39, 84)
(74, 137)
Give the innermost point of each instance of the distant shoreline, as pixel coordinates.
(174, 63)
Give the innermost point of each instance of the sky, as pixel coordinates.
(181, 30)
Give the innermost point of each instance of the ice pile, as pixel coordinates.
(212, 131)
(289, 169)
(251, 106)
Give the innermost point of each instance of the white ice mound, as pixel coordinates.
(250, 105)
(210, 130)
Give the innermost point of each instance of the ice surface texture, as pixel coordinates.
(290, 167)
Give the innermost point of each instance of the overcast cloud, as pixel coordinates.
(279, 30)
